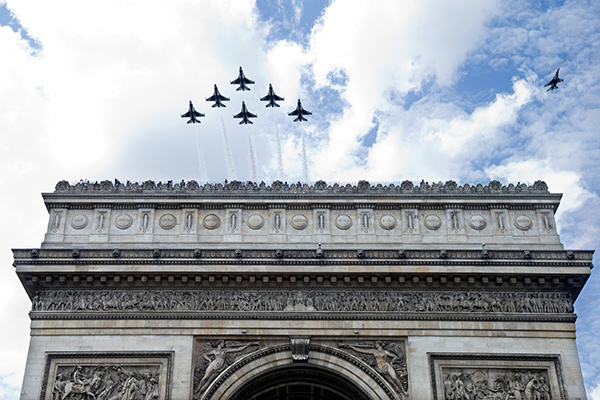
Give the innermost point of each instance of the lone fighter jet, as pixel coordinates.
(242, 81)
(217, 98)
(554, 82)
(192, 115)
(271, 97)
(244, 115)
(300, 112)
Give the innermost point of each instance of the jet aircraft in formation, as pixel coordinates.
(192, 114)
(271, 97)
(242, 81)
(217, 98)
(244, 115)
(554, 82)
(300, 112)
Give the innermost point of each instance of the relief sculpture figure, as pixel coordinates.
(389, 361)
(214, 360)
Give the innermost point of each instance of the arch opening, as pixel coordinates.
(299, 382)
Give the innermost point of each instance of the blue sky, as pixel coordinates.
(399, 90)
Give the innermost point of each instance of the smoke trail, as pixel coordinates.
(279, 154)
(203, 172)
(304, 159)
(252, 156)
(231, 172)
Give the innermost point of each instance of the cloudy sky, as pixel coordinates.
(432, 90)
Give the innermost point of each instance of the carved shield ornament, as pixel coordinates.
(79, 221)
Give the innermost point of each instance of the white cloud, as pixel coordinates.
(382, 47)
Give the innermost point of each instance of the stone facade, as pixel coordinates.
(247, 291)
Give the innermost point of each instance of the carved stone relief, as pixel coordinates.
(255, 222)
(123, 221)
(387, 222)
(145, 222)
(233, 221)
(546, 222)
(79, 221)
(167, 221)
(487, 383)
(523, 222)
(364, 222)
(219, 300)
(495, 377)
(55, 226)
(101, 376)
(477, 222)
(277, 222)
(432, 222)
(299, 221)
(100, 223)
(212, 358)
(321, 222)
(343, 222)
(211, 221)
(189, 222)
(500, 220)
(387, 358)
(454, 222)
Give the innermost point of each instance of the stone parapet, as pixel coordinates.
(430, 216)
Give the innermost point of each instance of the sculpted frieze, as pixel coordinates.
(243, 300)
(107, 376)
(496, 384)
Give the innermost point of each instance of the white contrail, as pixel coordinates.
(231, 172)
(203, 172)
(252, 156)
(304, 158)
(279, 154)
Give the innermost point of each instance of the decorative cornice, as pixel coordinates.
(302, 256)
(298, 189)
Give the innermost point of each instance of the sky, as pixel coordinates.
(410, 90)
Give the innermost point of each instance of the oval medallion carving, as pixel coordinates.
(211, 221)
(123, 221)
(167, 221)
(387, 222)
(477, 222)
(299, 221)
(255, 221)
(79, 221)
(523, 222)
(432, 222)
(343, 222)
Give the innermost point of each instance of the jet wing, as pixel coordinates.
(250, 115)
(186, 115)
(239, 115)
(238, 81)
(295, 112)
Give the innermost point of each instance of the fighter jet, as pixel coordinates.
(271, 97)
(217, 98)
(299, 111)
(192, 115)
(554, 82)
(244, 115)
(242, 81)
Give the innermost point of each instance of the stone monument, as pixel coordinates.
(249, 291)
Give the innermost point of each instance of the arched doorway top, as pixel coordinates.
(268, 361)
